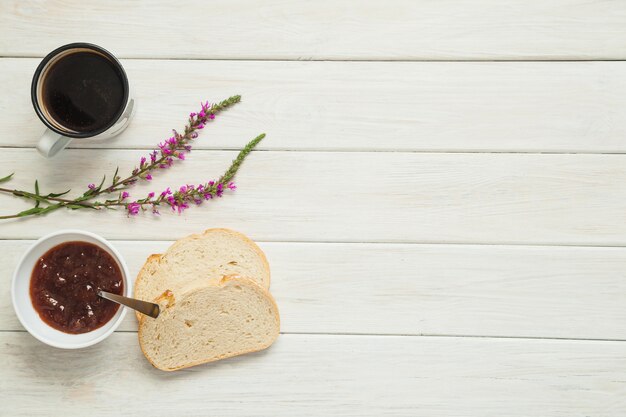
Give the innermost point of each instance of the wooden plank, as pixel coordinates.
(421, 106)
(421, 289)
(309, 375)
(325, 29)
(353, 197)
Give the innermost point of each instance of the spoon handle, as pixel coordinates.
(144, 307)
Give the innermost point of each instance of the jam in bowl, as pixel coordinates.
(55, 288)
(65, 282)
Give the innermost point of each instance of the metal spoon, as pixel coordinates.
(144, 307)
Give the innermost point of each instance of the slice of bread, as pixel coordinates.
(205, 257)
(208, 322)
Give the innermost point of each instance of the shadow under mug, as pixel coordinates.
(58, 136)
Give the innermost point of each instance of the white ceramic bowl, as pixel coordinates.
(20, 292)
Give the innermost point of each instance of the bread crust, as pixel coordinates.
(155, 257)
(222, 282)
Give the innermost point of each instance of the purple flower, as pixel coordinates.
(142, 162)
(125, 195)
(202, 115)
(149, 177)
(92, 186)
(232, 185)
(151, 194)
(211, 116)
(183, 189)
(200, 126)
(166, 192)
(194, 135)
(180, 207)
(181, 155)
(133, 208)
(192, 115)
(153, 157)
(220, 189)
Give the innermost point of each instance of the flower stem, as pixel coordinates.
(31, 196)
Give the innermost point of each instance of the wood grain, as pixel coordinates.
(416, 106)
(353, 197)
(308, 375)
(325, 29)
(421, 289)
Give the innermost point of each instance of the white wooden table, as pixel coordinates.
(441, 196)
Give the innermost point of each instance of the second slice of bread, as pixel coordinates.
(204, 257)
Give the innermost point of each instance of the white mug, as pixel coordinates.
(80, 91)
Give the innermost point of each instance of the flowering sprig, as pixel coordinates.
(186, 195)
(181, 199)
(172, 149)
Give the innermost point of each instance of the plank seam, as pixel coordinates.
(417, 335)
(373, 60)
(362, 150)
(377, 242)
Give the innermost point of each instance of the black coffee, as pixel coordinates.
(84, 91)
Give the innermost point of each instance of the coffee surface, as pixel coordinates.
(65, 282)
(83, 91)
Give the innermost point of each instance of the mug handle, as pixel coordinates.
(51, 143)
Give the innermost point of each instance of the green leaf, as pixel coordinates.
(101, 183)
(49, 208)
(37, 193)
(8, 177)
(26, 194)
(54, 195)
(30, 212)
(79, 206)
